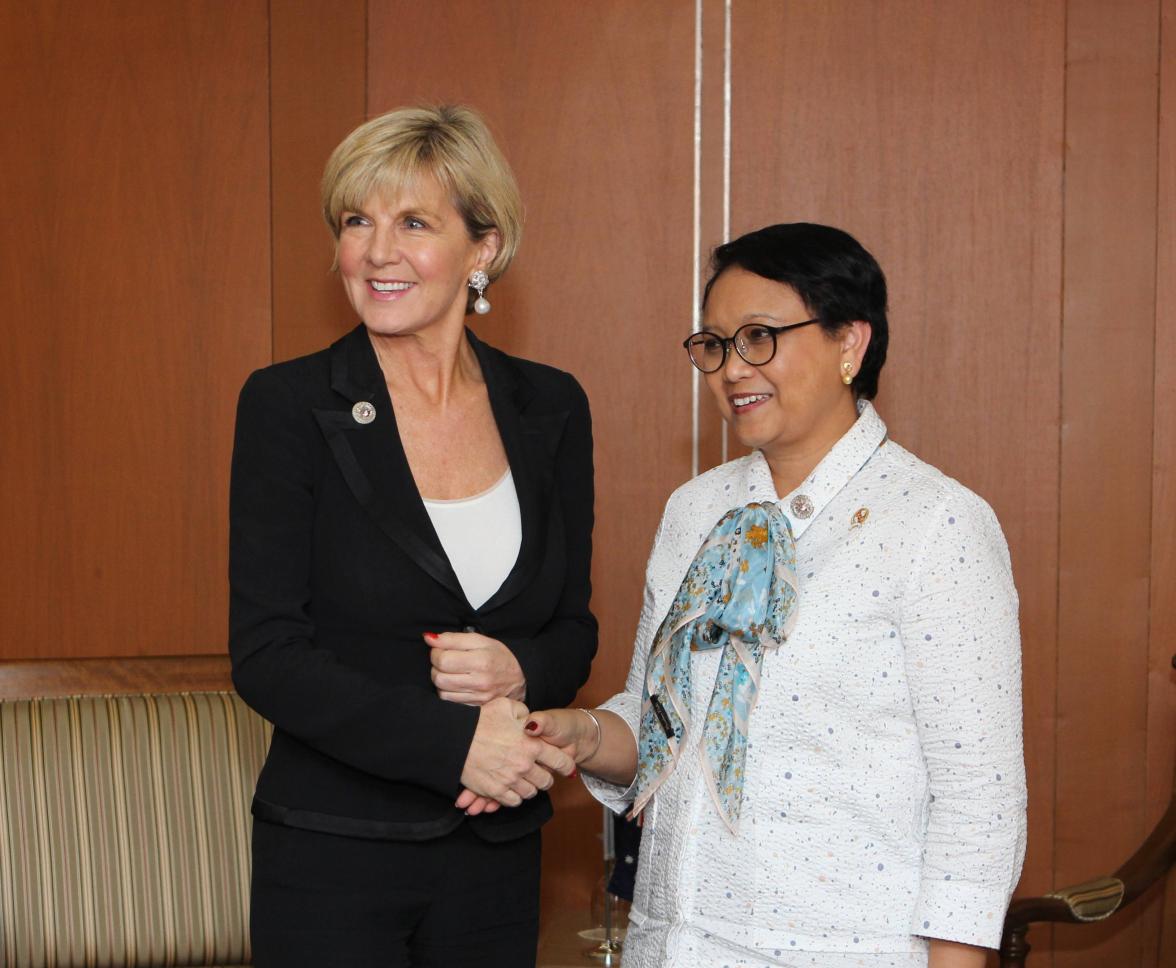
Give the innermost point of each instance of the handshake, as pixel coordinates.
(514, 753)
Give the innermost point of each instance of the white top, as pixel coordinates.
(481, 536)
(885, 790)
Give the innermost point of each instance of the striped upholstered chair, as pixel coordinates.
(124, 813)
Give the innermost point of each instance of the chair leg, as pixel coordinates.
(1014, 949)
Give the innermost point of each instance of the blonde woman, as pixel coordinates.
(411, 518)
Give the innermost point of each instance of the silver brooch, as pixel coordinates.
(363, 412)
(801, 506)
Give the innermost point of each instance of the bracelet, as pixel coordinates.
(599, 733)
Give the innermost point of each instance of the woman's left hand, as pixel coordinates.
(473, 804)
(473, 669)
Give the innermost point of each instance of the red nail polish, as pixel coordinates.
(531, 726)
(572, 775)
(430, 636)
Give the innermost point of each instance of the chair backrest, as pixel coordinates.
(124, 812)
(1104, 897)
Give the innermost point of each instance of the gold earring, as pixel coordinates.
(847, 373)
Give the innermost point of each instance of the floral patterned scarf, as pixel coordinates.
(739, 595)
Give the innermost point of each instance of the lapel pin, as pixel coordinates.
(859, 518)
(363, 412)
(802, 506)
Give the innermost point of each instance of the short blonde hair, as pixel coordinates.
(450, 142)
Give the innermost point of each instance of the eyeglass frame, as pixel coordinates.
(729, 341)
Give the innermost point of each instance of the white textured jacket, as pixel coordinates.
(885, 793)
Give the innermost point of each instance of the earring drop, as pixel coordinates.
(847, 373)
(479, 280)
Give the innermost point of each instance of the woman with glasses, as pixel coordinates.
(821, 727)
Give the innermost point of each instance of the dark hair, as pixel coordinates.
(838, 280)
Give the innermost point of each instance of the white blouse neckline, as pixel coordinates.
(480, 496)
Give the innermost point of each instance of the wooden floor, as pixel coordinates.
(560, 944)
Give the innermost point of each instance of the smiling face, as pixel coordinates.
(406, 259)
(795, 407)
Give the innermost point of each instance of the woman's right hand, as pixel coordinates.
(572, 730)
(600, 742)
(506, 764)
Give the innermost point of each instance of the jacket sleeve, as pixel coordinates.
(963, 660)
(278, 670)
(556, 661)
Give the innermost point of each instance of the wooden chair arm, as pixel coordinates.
(1093, 900)
(1089, 901)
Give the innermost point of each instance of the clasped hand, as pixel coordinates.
(473, 668)
(504, 765)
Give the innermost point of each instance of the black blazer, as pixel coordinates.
(336, 571)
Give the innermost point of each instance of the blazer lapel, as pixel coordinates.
(531, 442)
(372, 461)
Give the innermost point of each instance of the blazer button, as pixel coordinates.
(470, 628)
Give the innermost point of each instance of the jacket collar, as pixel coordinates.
(805, 504)
(371, 458)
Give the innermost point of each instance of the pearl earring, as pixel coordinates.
(479, 280)
(847, 373)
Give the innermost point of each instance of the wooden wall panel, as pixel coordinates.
(318, 91)
(1106, 458)
(941, 152)
(135, 293)
(593, 106)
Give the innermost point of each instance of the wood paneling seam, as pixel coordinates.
(697, 250)
(725, 453)
(1155, 448)
(1053, 854)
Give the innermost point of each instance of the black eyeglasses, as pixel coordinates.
(754, 342)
